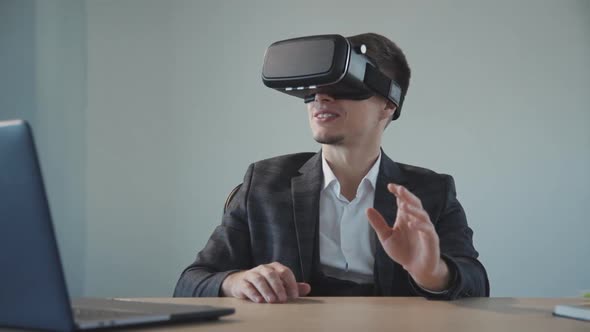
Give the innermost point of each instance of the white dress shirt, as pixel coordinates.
(347, 241)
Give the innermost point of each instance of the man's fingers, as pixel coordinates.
(249, 291)
(417, 213)
(415, 219)
(303, 288)
(404, 194)
(378, 223)
(403, 217)
(421, 227)
(288, 279)
(262, 286)
(275, 282)
(271, 283)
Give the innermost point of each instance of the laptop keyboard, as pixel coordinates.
(101, 314)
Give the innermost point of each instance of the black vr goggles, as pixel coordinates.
(328, 64)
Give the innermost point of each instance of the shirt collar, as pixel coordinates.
(329, 176)
(371, 176)
(373, 172)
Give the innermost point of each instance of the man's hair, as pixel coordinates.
(388, 58)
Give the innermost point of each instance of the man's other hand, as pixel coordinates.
(271, 283)
(412, 241)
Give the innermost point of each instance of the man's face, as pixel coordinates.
(347, 122)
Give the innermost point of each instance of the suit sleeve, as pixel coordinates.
(228, 250)
(468, 275)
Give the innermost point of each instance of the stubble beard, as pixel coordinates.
(330, 140)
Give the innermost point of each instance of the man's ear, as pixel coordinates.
(389, 110)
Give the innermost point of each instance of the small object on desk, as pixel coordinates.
(576, 311)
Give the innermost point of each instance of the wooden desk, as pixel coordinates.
(386, 314)
(367, 314)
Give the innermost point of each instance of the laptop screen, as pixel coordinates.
(32, 285)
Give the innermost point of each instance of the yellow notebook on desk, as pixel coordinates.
(576, 311)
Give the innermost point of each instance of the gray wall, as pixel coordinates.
(43, 80)
(176, 112)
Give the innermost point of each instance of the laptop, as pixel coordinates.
(33, 292)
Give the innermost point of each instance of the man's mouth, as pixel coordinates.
(325, 115)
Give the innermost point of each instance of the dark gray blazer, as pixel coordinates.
(274, 215)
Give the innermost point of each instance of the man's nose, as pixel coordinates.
(323, 97)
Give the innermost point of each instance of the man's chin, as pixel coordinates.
(329, 140)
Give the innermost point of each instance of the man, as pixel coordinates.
(345, 221)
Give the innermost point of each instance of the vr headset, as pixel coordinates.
(304, 66)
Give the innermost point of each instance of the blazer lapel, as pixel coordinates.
(385, 203)
(305, 190)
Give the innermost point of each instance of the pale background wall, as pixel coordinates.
(43, 80)
(149, 112)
